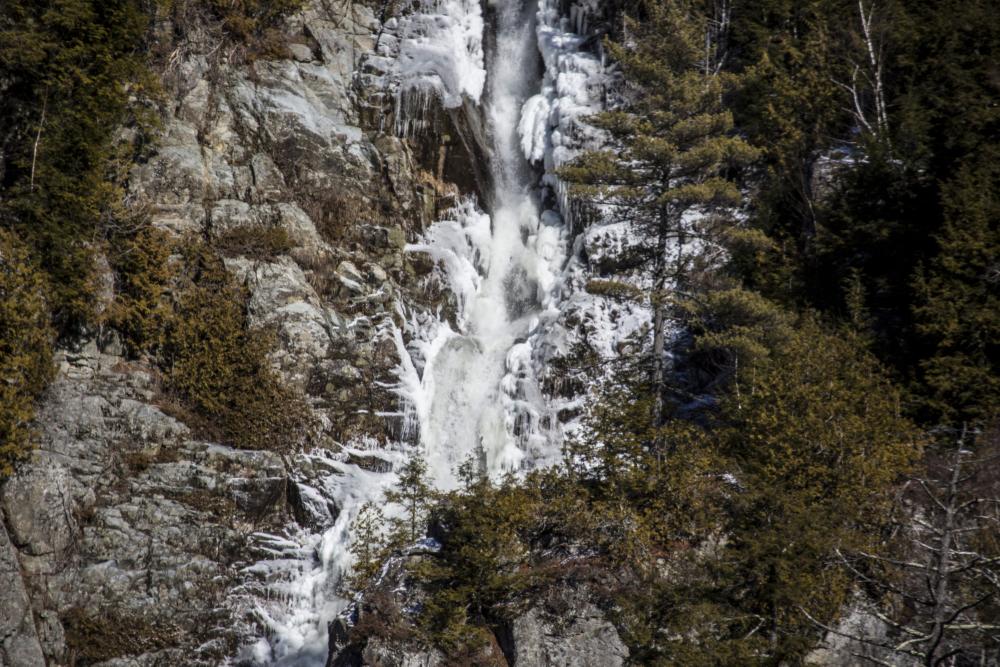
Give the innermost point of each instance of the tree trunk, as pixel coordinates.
(659, 345)
(942, 577)
(659, 321)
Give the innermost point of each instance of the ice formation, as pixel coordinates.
(574, 87)
(441, 50)
(478, 393)
(469, 389)
(475, 398)
(305, 568)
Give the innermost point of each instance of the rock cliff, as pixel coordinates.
(125, 540)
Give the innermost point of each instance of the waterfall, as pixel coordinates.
(474, 384)
(468, 391)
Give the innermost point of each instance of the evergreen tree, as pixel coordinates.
(812, 432)
(883, 209)
(414, 493)
(141, 313)
(673, 152)
(958, 307)
(71, 72)
(368, 545)
(482, 570)
(25, 349)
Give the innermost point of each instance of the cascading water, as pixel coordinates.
(471, 391)
(474, 384)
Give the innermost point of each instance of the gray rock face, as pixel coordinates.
(37, 505)
(384, 654)
(121, 518)
(281, 296)
(577, 635)
(19, 645)
(837, 649)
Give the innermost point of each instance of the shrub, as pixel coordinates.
(381, 618)
(142, 276)
(343, 215)
(97, 637)
(219, 368)
(252, 24)
(252, 19)
(25, 348)
(190, 316)
(260, 243)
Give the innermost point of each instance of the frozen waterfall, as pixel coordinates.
(474, 398)
(469, 389)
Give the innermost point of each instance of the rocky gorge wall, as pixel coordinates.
(124, 540)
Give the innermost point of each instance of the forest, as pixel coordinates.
(815, 189)
(824, 434)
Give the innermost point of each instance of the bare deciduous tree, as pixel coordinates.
(866, 86)
(717, 35)
(938, 586)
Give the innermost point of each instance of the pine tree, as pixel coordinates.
(813, 432)
(673, 153)
(368, 544)
(959, 309)
(482, 568)
(414, 493)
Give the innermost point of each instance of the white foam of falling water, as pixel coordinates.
(545, 124)
(473, 399)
